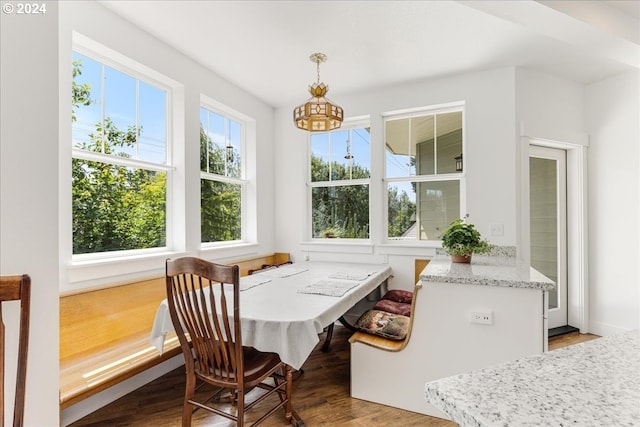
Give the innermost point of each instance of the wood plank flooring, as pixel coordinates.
(320, 395)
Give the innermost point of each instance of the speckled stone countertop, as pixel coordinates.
(595, 383)
(498, 270)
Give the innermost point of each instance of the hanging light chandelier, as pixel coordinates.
(318, 114)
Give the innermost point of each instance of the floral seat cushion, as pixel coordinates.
(398, 295)
(384, 324)
(393, 307)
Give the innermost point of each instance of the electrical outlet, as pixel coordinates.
(385, 259)
(482, 317)
(497, 229)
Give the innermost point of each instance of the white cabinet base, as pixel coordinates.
(443, 342)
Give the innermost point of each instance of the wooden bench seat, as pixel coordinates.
(104, 333)
(387, 344)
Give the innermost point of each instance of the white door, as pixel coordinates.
(548, 217)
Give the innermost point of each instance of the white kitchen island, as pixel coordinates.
(444, 341)
(592, 384)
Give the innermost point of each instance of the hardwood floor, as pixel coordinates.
(320, 395)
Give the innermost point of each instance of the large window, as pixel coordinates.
(340, 165)
(424, 168)
(120, 162)
(222, 180)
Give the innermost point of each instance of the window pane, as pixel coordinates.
(221, 142)
(221, 214)
(320, 157)
(438, 203)
(402, 210)
(152, 120)
(340, 146)
(233, 149)
(341, 211)
(422, 210)
(422, 138)
(120, 111)
(114, 113)
(400, 148)
(204, 140)
(341, 155)
(543, 199)
(449, 141)
(215, 146)
(361, 149)
(86, 102)
(117, 208)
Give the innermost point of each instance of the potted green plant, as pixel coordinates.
(461, 240)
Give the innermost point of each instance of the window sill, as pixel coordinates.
(90, 273)
(330, 245)
(425, 248)
(113, 270)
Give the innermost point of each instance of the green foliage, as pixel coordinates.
(80, 94)
(220, 203)
(342, 211)
(114, 207)
(402, 212)
(463, 239)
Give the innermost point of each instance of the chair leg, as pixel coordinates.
(327, 340)
(240, 402)
(187, 410)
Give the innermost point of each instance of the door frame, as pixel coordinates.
(577, 227)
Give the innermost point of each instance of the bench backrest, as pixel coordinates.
(93, 319)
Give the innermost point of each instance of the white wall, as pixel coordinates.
(612, 112)
(28, 199)
(549, 107)
(489, 164)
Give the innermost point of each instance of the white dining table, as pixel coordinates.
(284, 309)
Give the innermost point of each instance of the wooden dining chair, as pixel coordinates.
(204, 303)
(15, 288)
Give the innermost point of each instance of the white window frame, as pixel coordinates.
(86, 270)
(461, 176)
(352, 123)
(247, 133)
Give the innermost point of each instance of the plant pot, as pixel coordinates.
(465, 259)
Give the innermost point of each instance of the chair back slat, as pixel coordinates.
(201, 296)
(13, 288)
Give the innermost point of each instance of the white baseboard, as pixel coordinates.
(99, 400)
(604, 329)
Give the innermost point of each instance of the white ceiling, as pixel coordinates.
(264, 46)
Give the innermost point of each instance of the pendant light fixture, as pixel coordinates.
(318, 114)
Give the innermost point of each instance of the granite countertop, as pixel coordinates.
(499, 270)
(595, 383)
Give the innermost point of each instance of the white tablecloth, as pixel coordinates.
(279, 316)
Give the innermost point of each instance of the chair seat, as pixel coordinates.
(257, 363)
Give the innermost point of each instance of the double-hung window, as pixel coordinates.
(424, 172)
(340, 175)
(222, 176)
(120, 159)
